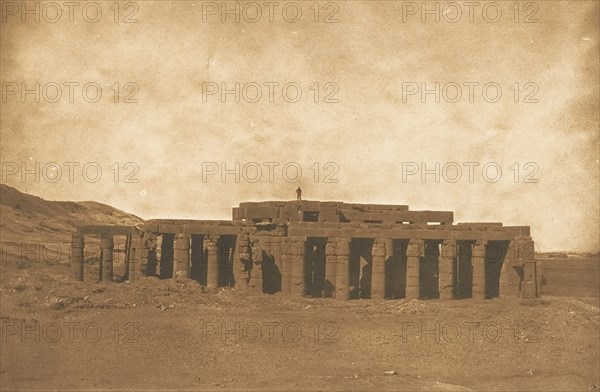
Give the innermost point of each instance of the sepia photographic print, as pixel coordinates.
(299, 195)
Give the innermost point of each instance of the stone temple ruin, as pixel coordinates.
(327, 249)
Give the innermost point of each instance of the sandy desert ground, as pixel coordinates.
(164, 335)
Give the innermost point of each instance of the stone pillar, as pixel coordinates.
(342, 276)
(181, 259)
(378, 270)
(77, 245)
(526, 255)
(289, 255)
(446, 264)
(136, 258)
(510, 281)
(414, 255)
(478, 263)
(298, 286)
(107, 245)
(212, 251)
(330, 268)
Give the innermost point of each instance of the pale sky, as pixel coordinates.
(370, 135)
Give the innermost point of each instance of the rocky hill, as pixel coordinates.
(26, 218)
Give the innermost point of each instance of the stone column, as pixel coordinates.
(342, 276)
(378, 270)
(136, 258)
(77, 245)
(478, 262)
(510, 281)
(212, 272)
(414, 256)
(107, 245)
(446, 264)
(526, 255)
(289, 255)
(181, 259)
(298, 286)
(330, 268)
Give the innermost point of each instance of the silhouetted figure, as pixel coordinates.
(298, 194)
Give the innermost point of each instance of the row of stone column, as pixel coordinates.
(338, 276)
(288, 255)
(182, 258)
(337, 269)
(106, 257)
(290, 251)
(138, 257)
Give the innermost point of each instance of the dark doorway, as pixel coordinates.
(166, 256)
(152, 263)
(314, 271)
(360, 267)
(270, 271)
(330, 269)
(495, 255)
(225, 261)
(395, 270)
(463, 274)
(198, 259)
(429, 276)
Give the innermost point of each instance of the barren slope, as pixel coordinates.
(30, 219)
